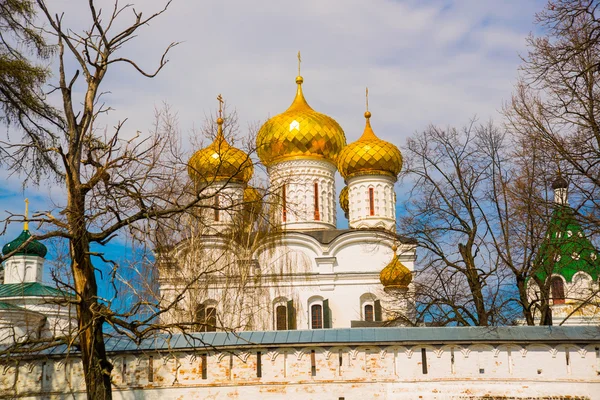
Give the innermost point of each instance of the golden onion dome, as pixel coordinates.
(344, 200)
(252, 199)
(370, 155)
(395, 275)
(220, 162)
(299, 132)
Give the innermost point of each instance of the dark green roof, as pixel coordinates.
(8, 306)
(566, 250)
(30, 289)
(33, 248)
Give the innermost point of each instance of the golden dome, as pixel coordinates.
(252, 199)
(369, 155)
(220, 161)
(395, 275)
(344, 200)
(299, 132)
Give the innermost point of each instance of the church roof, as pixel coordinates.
(352, 336)
(566, 250)
(326, 236)
(33, 289)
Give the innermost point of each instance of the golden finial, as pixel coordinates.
(367, 113)
(26, 223)
(299, 78)
(394, 248)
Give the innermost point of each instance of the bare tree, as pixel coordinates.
(114, 182)
(556, 99)
(479, 211)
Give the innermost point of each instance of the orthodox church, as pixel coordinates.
(568, 262)
(30, 309)
(304, 272)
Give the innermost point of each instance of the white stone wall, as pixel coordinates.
(369, 371)
(299, 178)
(384, 202)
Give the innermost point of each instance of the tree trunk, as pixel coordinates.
(525, 304)
(96, 366)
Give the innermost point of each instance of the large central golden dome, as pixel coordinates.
(370, 155)
(299, 132)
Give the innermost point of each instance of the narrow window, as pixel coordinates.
(316, 312)
(124, 370)
(558, 291)
(258, 364)
(371, 202)
(452, 370)
(230, 365)
(217, 208)
(151, 369)
(313, 364)
(211, 319)
(340, 362)
(317, 215)
(369, 312)
(281, 318)
(203, 360)
(424, 360)
(284, 203)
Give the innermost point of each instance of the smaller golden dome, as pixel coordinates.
(344, 200)
(369, 155)
(220, 162)
(395, 275)
(252, 199)
(299, 132)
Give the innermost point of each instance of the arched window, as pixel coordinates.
(281, 318)
(369, 314)
(206, 318)
(217, 205)
(316, 316)
(371, 202)
(558, 290)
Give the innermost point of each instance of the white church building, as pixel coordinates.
(284, 304)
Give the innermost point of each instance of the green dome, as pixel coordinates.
(566, 250)
(33, 248)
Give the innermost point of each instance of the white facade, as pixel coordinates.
(335, 269)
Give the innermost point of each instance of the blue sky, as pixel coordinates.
(439, 62)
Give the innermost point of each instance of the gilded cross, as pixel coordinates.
(26, 224)
(367, 96)
(220, 100)
(299, 61)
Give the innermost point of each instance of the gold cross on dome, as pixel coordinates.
(26, 223)
(299, 61)
(367, 96)
(221, 101)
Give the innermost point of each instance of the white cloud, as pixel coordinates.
(424, 61)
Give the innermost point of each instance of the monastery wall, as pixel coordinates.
(544, 368)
